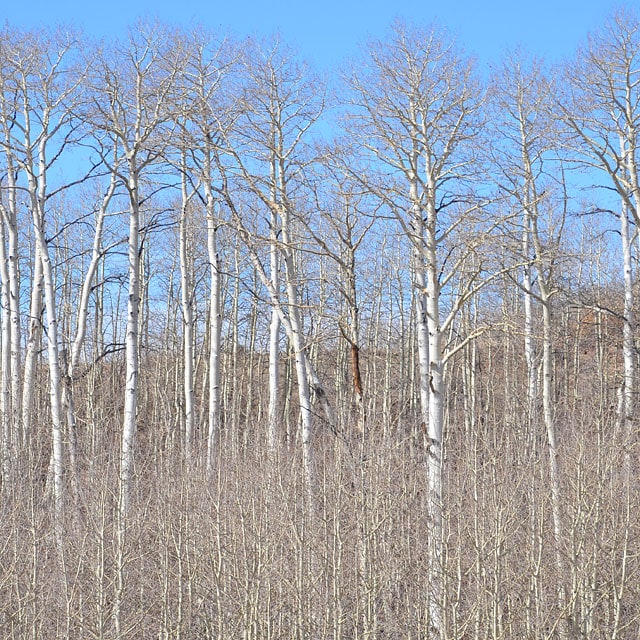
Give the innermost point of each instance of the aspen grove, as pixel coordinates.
(287, 356)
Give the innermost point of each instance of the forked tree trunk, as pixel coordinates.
(81, 332)
(299, 348)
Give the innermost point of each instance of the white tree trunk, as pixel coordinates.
(215, 322)
(5, 373)
(274, 363)
(55, 377)
(32, 349)
(131, 348)
(9, 214)
(299, 349)
(187, 319)
(81, 331)
(529, 349)
(36, 170)
(10, 220)
(313, 379)
(127, 445)
(549, 422)
(435, 425)
(422, 327)
(552, 447)
(274, 328)
(628, 342)
(16, 332)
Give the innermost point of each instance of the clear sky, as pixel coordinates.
(328, 31)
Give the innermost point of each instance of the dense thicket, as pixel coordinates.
(287, 360)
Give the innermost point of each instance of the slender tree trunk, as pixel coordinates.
(421, 298)
(9, 212)
(8, 442)
(347, 265)
(628, 342)
(550, 428)
(299, 349)
(10, 217)
(36, 169)
(552, 447)
(529, 350)
(274, 329)
(32, 350)
(354, 348)
(215, 322)
(131, 348)
(80, 335)
(435, 431)
(186, 299)
(127, 446)
(55, 377)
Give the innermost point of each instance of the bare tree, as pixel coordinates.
(208, 260)
(348, 215)
(205, 78)
(601, 110)
(11, 324)
(416, 112)
(37, 131)
(278, 107)
(132, 88)
(530, 171)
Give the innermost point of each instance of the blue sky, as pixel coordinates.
(329, 31)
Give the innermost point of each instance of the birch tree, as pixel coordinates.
(186, 301)
(5, 389)
(11, 349)
(209, 65)
(12, 329)
(73, 354)
(415, 111)
(601, 110)
(279, 105)
(132, 92)
(521, 124)
(46, 85)
(530, 171)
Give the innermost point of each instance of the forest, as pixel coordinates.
(296, 355)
